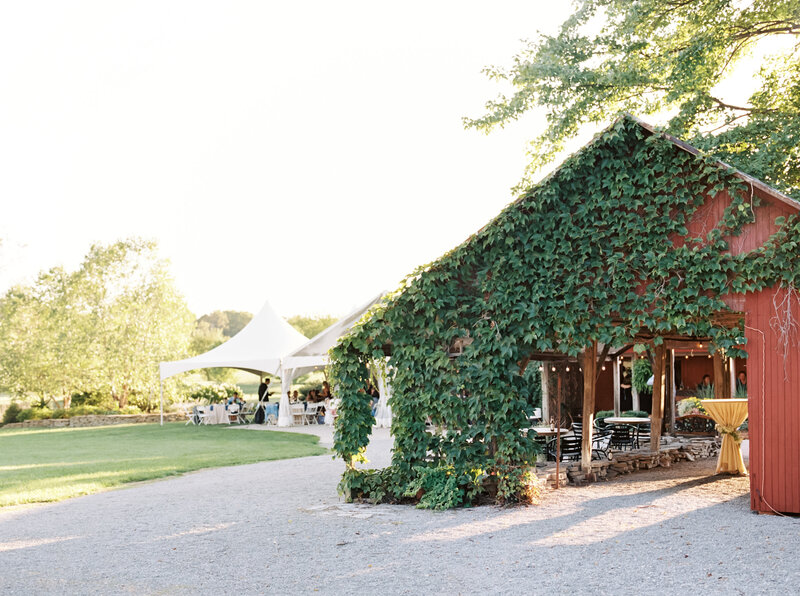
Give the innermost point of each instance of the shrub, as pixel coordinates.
(603, 414)
(35, 413)
(214, 393)
(11, 413)
(636, 414)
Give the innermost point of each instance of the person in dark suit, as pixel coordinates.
(263, 389)
(263, 396)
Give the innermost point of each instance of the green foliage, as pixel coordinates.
(214, 393)
(635, 414)
(311, 326)
(102, 328)
(603, 414)
(12, 412)
(642, 371)
(599, 251)
(666, 57)
(437, 487)
(226, 323)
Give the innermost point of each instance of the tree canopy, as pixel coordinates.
(665, 60)
(311, 325)
(102, 328)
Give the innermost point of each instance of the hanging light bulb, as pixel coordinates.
(686, 357)
(540, 368)
(567, 369)
(553, 369)
(603, 367)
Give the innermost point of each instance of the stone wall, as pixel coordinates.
(673, 450)
(97, 420)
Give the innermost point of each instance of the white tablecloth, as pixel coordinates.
(218, 413)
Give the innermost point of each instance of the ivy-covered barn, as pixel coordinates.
(635, 239)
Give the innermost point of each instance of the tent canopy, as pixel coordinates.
(313, 354)
(257, 348)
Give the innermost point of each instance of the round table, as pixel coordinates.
(547, 431)
(626, 420)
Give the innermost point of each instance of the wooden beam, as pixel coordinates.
(719, 376)
(545, 396)
(589, 383)
(600, 361)
(659, 380)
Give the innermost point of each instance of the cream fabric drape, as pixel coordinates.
(383, 414)
(284, 410)
(729, 414)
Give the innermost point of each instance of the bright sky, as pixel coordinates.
(308, 153)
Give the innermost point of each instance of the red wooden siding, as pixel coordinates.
(773, 382)
(773, 387)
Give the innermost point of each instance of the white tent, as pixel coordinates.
(314, 355)
(257, 348)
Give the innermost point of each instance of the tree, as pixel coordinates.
(228, 322)
(104, 327)
(656, 57)
(310, 326)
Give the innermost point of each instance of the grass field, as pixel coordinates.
(39, 465)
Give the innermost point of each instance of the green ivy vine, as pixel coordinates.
(588, 254)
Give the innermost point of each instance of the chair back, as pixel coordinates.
(570, 448)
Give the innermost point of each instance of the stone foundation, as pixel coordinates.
(97, 420)
(673, 450)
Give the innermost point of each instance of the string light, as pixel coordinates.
(603, 367)
(540, 368)
(567, 369)
(553, 369)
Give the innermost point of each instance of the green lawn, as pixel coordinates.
(39, 465)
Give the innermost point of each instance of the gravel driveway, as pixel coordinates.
(279, 527)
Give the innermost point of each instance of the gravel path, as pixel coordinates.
(279, 527)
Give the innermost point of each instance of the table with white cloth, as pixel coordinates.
(626, 420)
(729, 414)
(217, 413)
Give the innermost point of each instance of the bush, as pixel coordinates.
(635, 414)
(11, 413)
(603, 414)
(214, 393)
(35, 413)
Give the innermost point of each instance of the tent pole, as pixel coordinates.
(162, 401)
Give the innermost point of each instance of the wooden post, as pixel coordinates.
(589, 384)
(558, 430)
(673, 390)
(659, 381)
(617, 389)
(719, 376)
(545, 394)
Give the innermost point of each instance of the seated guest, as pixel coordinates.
(326, 391)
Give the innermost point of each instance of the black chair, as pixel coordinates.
(601, 443)
(577, 429)
(642, 435)
(570, 448)
(622, 436)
